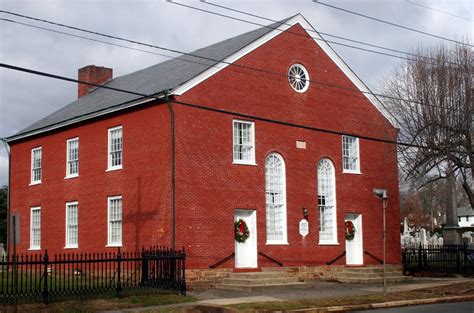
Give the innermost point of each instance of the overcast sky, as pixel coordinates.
(25, 98)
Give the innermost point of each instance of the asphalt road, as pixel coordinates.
(459, 307)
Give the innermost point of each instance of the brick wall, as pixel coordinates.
(208, 186)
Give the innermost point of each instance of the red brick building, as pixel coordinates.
(97, 174)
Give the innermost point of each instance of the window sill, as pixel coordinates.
(35, 183)
(282, 243)
(72, 176)
(71, 247)
(244, 163)
(114, 169)
(114, 246)
(34, 249)
(351, 172)
(329, 243)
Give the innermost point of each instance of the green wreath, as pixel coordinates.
(350, 230)
(241, 231)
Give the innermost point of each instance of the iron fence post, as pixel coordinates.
(45, 278)
(465, 259)
(404, 260)
(118, 288)
(420, 264)
(183, 282)
(144, 268)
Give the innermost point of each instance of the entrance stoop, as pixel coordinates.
(371, 275)
(253, 281)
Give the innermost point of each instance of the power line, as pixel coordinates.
(391, 23)
(320, 33)
(208, 108)
(437, 10)
(307, 35)
(192, 61)
(206, 58)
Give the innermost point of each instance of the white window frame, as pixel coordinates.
(109, 231)
(34, 246)
(33, 181)
(334, 240)
(252, 136)
(68, 244)
(68, 160)
(357, 169)
(284, 240)
(109, 152)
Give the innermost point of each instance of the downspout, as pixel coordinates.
(170, 108)
(7, 148)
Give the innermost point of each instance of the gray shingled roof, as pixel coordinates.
(167, 75)
(465, 211)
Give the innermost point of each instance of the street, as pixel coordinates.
(459, 307)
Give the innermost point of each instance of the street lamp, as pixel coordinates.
(382, 195)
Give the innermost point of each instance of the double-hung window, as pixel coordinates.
(350, 154)
(35, 228)
(72, 225)
(72, 157)
(115, 221)
(36, 157)
(244, 142)
(115, 148)
(327, 202)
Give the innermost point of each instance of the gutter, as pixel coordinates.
(172, 148)
(84, 117)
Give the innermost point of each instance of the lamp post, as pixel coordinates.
(382, 195)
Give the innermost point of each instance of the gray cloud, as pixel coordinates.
(25, 98)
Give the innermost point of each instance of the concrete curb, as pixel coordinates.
(391, 304)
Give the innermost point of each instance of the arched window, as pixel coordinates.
(327, 202)
(275, 192)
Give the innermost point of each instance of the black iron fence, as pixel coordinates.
(45, 278)
(451, 259)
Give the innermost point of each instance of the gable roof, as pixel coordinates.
(181, 74)
(167, 75)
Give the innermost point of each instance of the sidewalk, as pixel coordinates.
(211, 300)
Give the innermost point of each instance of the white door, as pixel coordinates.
(246, 252)
(354, 247)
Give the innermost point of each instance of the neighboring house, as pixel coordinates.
(96, 174)
(466, 216)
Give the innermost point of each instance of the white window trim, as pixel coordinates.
(109, 244)
(68, 175)
(335, 241)
(109, 158)
(284, 241)
(252, 160)
(357, 170)
(68, 246)
(36, 208)
(301, 66)
(32, 176)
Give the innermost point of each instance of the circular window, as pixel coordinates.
(298, 77)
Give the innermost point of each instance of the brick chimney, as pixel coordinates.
(92, 74)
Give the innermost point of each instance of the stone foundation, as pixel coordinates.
(203, 279)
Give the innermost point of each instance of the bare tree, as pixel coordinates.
(440, 118)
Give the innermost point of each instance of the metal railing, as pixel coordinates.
(42, 278)
(451, 259)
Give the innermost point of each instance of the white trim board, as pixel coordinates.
(298, 19)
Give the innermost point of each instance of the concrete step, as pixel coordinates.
(371, 269)
(374, 280)
(258, 275)
(250, 288)
(367, 275)
(260, 281)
